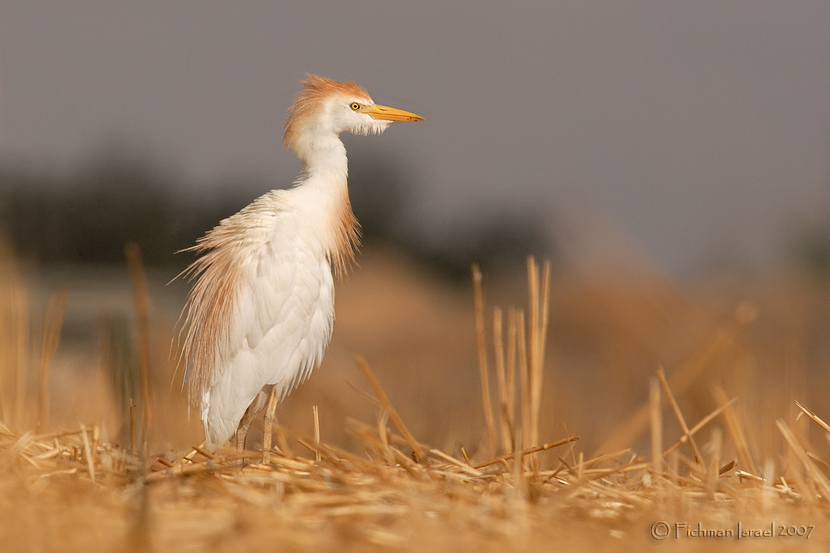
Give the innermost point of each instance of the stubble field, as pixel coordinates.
(622, 411)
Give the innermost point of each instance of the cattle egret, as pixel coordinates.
(260, 314)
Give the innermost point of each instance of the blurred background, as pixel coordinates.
(672, 160)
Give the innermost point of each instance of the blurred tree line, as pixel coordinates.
(88, 214)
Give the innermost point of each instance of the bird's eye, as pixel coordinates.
(355, 106)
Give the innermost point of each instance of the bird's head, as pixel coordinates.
(325, 107)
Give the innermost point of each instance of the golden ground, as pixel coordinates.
(404, 458)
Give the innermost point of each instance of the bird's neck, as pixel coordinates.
(324, 186)
(324, 159)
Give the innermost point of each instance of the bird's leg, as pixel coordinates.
(242, 430)
(241, 433)
(268, 425)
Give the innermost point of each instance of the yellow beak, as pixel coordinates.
(385, 113)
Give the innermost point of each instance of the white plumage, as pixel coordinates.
(262, 309)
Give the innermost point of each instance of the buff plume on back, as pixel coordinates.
(259, 316)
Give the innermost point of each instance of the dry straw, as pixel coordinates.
(51, 339)
(141, 298)
(524, 355)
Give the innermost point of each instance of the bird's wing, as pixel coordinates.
(256, 299)
(283, 325)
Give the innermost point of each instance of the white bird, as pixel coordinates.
(261, 312)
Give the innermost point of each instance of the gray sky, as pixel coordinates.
(695, 130)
